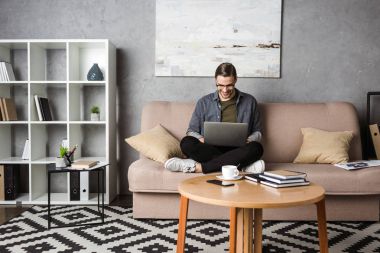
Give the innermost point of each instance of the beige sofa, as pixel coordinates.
(350, 195)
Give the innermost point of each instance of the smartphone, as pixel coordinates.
(221, 183)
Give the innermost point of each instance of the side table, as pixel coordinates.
(100, 169)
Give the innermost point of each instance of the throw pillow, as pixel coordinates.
(324, 147)
(157, 144)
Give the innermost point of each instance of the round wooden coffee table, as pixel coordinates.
(241, 199)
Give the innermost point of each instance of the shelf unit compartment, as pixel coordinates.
(16, 53)
(83, 96)
(82, 55)
(90, 140)
(23, 184)
(59, 185)
(19, 93)
(13, 137)
(48, 61)
(56, 93)
(45, 141)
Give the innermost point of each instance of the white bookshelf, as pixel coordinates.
(57, 69)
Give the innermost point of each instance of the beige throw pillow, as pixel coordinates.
(324, 147)
(157, 144)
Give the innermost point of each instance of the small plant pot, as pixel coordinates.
(60, 162)
(95, 116)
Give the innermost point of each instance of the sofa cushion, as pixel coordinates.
(145, 175)
(320, 146)
(157, 144)
(149, 176)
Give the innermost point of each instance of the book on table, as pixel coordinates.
(84, 164)
(285, 174)
(283, 183)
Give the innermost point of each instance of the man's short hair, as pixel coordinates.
(226, 69)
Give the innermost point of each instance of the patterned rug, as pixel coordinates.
(122, 233)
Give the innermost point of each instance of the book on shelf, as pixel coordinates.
(375, 136)
(358, 164)
(2, 110)
(46, 112)
(43, 108)
(26, 152)
(38, 108)
(256, 178)
(285, 174)
(3, 78)
(84, 164)
(6, 72)
(9, 109)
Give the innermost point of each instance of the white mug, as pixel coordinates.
(230, 171)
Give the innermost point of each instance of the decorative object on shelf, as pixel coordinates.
(95, 113)
(95, 74)
(62, 160)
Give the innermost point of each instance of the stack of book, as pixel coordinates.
(7, 109)
(43, 108)
(6, 72)
(279, 178)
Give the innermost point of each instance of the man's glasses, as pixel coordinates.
(228, 86)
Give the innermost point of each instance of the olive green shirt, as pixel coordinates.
(228, 110)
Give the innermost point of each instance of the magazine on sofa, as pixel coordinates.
(358, 164)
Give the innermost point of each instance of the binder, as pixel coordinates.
(75, 185)
(374, 129)
(11, 181)
(2, 193)
(84, 186)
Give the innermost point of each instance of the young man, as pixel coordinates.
(227, 104)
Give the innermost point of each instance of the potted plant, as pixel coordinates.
(95, 113)
(61, 160)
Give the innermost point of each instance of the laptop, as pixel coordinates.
(225, 133)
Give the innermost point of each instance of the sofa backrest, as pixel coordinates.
(282, 136)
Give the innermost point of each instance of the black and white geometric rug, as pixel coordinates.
(122, 233)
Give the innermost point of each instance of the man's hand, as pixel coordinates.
(202, 140)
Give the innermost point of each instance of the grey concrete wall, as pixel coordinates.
(330, 51)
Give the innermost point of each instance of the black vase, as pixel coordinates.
(95, 74)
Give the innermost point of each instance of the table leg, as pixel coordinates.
(258, 230)
(322, 228)
(49, 193)
(233, 230)
(244, 230)
(248, 230)
(103, 192)
(183, 209)
(98, 172)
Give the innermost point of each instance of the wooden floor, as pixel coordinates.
(8, 212)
